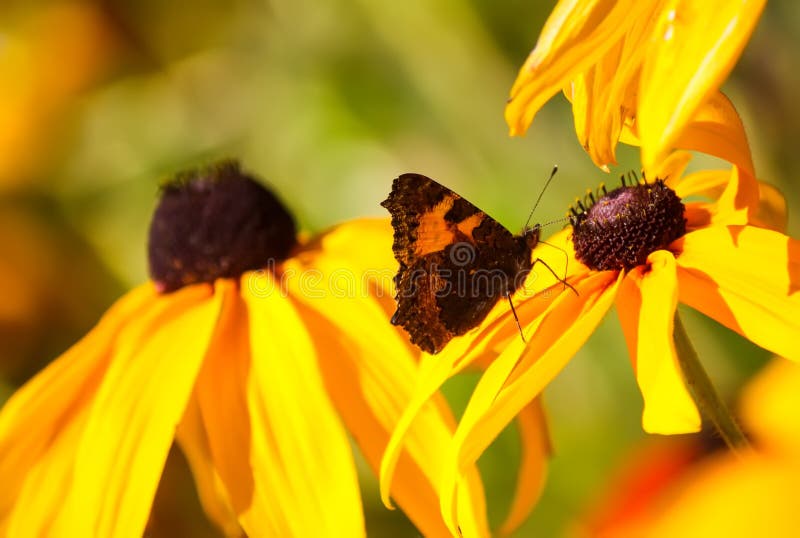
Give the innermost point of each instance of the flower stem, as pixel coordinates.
(705, 396)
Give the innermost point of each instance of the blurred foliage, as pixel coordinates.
(328, 101)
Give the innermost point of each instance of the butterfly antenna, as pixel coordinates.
(513, 311)
(539, 199)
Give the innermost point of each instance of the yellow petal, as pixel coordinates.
(132, 420)
(430, 377)
(738, 199)
(218, 406)
(696, 44)
(222, 392)
(706, 183)
(371, 374)
(55, 401)
(365, 243)
(536, 450)
(747, 279)
(214, 497)
(671, 170)
(521, 372)
(575, 36)
(652, 297)
(736, 196)
(716, 129)
(299, 450)
(615, 82)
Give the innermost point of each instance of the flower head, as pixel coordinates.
(258, 352)
(723, 257)
(647, 72)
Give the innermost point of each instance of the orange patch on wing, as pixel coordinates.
(434, 233)
(470, 223)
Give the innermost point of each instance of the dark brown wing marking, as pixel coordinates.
(455, 261)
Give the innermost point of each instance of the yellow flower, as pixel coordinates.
(258, 354)
(648, 72)
(749, 494)
(726, 260)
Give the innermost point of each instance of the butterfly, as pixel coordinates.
(456, 261)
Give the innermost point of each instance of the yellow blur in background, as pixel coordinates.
(328, 101)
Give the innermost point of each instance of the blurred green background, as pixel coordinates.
(328, 101)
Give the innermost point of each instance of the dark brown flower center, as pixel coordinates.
(216, 222)
(622, 227)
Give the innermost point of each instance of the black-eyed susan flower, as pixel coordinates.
(643, 247)
(258, 353)
(648, 71)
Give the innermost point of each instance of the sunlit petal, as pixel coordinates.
(132, 420)
(706, 183)
(193, 439)
(696, 46)
(366, 244)
(736, 199)
(370, 376)
(215, 430)
(716, 129)
(746, 278)
(671, 169)
(56, 396)
(299, 449)
(521, 372)
(614, 87)
(575, 36)
(430, 377)
(646, 305)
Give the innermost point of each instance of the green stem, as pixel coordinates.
(705, 396)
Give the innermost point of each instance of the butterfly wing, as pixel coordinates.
(455, 261)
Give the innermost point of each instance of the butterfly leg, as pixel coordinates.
(562, 280)
(513, 311)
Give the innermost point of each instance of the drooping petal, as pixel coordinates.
(696, 44)
(646, 305)
(55, 401)
(520, 373)
(370, 374)
(716, 129)
(193, 439)
(132, 420)
(747, 279)
(536, 449)
(612, 94)
(219, 383)
(298, 449)
(575, 36)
